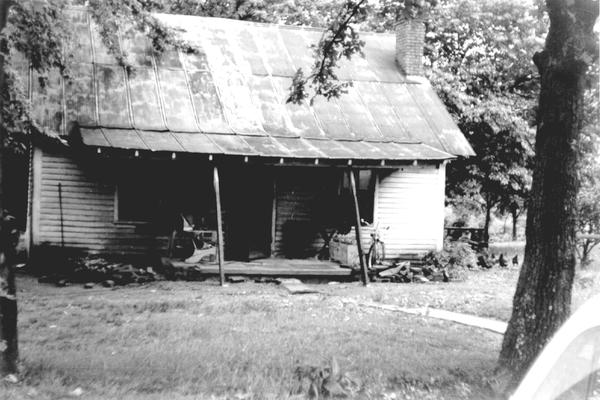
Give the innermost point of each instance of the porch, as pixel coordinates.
(270, 267)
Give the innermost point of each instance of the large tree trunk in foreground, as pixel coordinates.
(542, 299)
(8, 300)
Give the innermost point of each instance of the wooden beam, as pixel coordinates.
(219, 225)
(363, 268)
(274, 215)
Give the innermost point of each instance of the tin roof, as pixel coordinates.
(229, 98)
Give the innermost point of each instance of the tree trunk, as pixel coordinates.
(542, 300)
(8, 300)
(488, 217)
(515, 220)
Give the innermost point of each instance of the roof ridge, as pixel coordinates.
(245, 22)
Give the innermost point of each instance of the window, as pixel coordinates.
(137, 201)
(365, 189)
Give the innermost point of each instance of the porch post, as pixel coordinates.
(219, 225)
(363, 269)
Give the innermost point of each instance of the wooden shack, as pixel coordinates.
(131, 153)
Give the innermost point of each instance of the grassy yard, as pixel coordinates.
(195, 340)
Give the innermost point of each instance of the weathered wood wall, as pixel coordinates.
(301, 195)
(88, 209)
(410, 201)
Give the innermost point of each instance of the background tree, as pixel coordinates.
(543, 295)
(36, 33)
(480, 57)
(542, 300)
(588, 200)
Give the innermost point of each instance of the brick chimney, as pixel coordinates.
(410, 38)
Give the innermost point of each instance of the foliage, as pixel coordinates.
(455, 253)
(588, 200)
(480, 57)
(341, 39)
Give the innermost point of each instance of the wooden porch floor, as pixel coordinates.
(273, 267)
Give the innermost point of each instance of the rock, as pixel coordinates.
(11, 378)
(237, 279)
(515, 260)
(89, 285)
(108, 283)
(420, 279)
(77, 392)
(45, 279)
(62, 283)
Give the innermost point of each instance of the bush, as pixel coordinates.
(454, 254)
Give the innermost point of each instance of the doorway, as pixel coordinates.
(249, 211)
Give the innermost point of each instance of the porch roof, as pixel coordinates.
(229, 98)
(265, 146)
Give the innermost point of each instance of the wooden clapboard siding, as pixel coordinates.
(298, 191)
(410, 201)
(88, 209)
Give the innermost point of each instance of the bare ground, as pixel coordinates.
(196, 340)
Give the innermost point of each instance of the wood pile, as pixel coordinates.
(404, 272)
(91, 270)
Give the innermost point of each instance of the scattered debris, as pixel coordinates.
(237, 279)
(92, 270)
(295, 286)
(108, 283)
(325, 382)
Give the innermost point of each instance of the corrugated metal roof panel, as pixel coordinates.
(160, 141)
(176, 100)
(273, 50)
(48, 100)
(302, 117)
(382, 111)
(358, 117)
(275, 119)
(301, 148)
(331, 119)
(79, 95)
(380, 52)
(250, 52)
(80, 45)
(124, 139)
(447, 132)
(333, 149)
(197, 143)
(138, 48)
(210, 117)
(409, 114)
(93, 137)
(267, 146)
(144, 100)
(113, 108)
(237, 84)
(297, 42)
(365, 150)
(233, 144)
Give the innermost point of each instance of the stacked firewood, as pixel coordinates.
(93, 270)
(404, 272)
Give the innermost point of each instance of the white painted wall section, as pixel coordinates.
(410, 200)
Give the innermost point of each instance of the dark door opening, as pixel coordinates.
(249, 208)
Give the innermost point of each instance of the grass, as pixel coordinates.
(195, 340)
